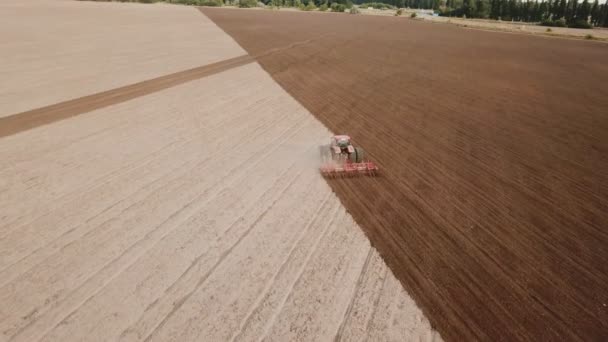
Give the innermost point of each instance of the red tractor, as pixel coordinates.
(341, 158)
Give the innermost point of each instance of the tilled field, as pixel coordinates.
(493, 205)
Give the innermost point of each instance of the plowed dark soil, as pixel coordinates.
(493, 205)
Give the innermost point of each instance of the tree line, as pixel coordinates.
(310, 3)
(573, 13)
(551, 13)
(420, 4)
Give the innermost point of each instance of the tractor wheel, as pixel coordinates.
(357, 156)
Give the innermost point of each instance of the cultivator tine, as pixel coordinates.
(349, 170)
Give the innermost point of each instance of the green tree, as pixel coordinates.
(248, 3)
(513, 10)
(560, 11)
(548, 8)
(595, 13)
(493, 12)
(467, 8)
(536, 12)
(584, 11)
(523, 11)
(571, 11)
(481, 9)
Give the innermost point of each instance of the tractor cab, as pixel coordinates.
(341, 144)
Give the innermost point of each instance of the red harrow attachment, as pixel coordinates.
(341, 159)
(349, 169)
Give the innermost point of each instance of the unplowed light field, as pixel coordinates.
(493, 206)
(58, 50)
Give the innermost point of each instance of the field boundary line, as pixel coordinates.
(24, 121)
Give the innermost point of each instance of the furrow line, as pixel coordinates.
(221, 258)
(322, 236)
(150, 240)
(265, 292)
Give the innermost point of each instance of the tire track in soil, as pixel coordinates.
(334, 285)
(272, 227)
(348, 312)
(492, 204)
(258, 134)
(219, 140)
(88, 172)
(222, 138)
(264, 302)
(237, 335)
(261, 167)
(268, 324)
(182, 300)
(104, 179)
(375, 306)
(110, 271)
(142, 324)
(178, 304)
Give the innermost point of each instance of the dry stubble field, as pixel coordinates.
(493, 207)
(186, 207)
(73, 50)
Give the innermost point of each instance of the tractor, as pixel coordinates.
(340, 158)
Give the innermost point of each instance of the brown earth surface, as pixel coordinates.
(493, 205)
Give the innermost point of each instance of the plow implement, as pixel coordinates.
(349, 169)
